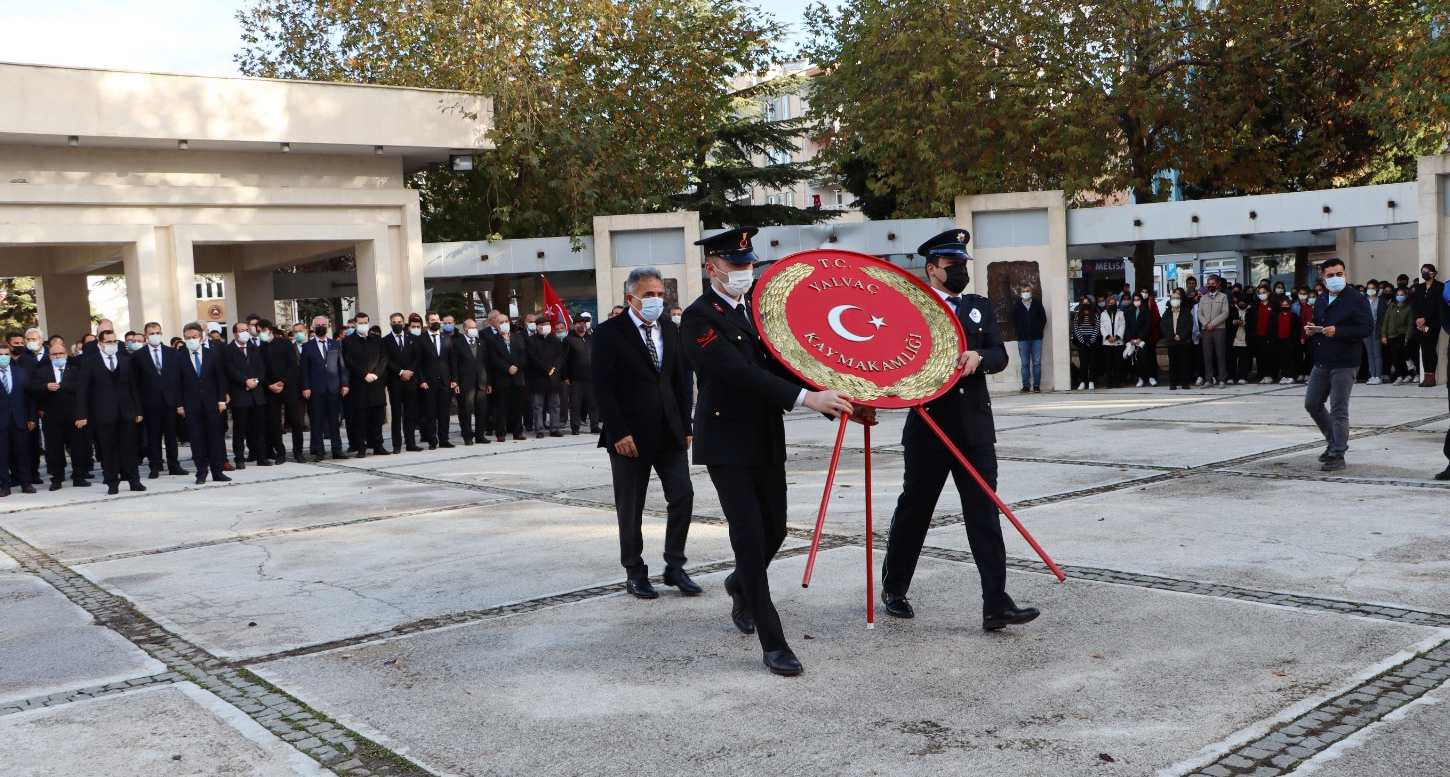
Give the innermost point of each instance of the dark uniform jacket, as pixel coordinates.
(470, 363)
(743, 391)
(631, 396)
(964, 412)
(364, 355)
(239, 368)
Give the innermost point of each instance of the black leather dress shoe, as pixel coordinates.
(136, 486)
(446, 444)
(381, 452)
(783, 662)
(111, 490)
(1443, 475)
(154, 474)
(1012, 616)
(682, 581)
(740, 612)
(55, 486)
(4, 490)
(414, 449)
(641, 589)
(27, 488)
(80, 483)
(360, 455)
(220, 477)
(177, 471)
(201, 478)
(897, 606)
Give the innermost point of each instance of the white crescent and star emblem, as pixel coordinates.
(834, 319)
(975, 316)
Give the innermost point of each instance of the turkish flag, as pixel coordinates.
(554, 307)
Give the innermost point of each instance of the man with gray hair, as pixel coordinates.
(640, 394)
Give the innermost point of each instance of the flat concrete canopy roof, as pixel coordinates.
(47, 105)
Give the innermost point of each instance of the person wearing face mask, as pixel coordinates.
(471, 381)
(1138, 325)
(1284, 330)
(1373, 348)
(202, 402)
(17, 420)
(158, 378)
(403, 345)
(1395, 327)
(743, 394)
(435, 397)
(282, 391)
(1086, 336)
(246, 370)
(1306, 341)
(324, 380)
(1176, 327)
(1342, 322)
(1029, 319)
(1113, 324)
(507, 362)
(545, 378)
(639, 385)
(1258, 321)
(367, 366)
(964, 414)
(1213, 315)
(28, 354)
(53, 393)
(1429, 307)
(578, 376)
(1240, 358)
(106, 403)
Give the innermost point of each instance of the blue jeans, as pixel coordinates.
(1030, 354)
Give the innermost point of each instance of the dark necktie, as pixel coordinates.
(956, 303)
(156, 357)
(649, 340)
(196, 359)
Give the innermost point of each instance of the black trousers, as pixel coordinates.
(1180, 364)
(581, 405)
(247, 432)
(1263, 348)
(116, 446)
(753, 499)
(349, 417)
(472, 412)
(508, 408)
(62, 437)
(1087, 362)
(1429, 356)
(1286, 361)
(1399, 366)
(435, 402)
(15, 455)
(927, 464)
(272, 445)
(370, 426)
(631, 483)
(324, 413)
(1145, 361)
(158, 430)
(208, 441)
(403, 404)
(37, 445)
(1240, 362)
(1113, 363)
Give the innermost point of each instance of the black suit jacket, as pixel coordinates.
(59, 405)
(364, 355)
(632, 397)
(157, 389)
(505, 354)
(104, 396)
(284, 365)
(964, 412)
(434, 365)
(240, 367)
(202, 393)
(743, 391)
(408, 356)
(546, 363)
(470, 363)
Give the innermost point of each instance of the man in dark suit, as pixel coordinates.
(158, 372)
(53, 393)
(740, 434)
(17, 421)
(434, 392)
(246, 370)
(367, 369)
(470, 381)
(324, 384)
(641, 395)
(965, 414)
(282, 391)
(201, 402)
(578, 374)
(545, 377)
(404, 350)
(32, 356)
(106, 403)
(506, 364)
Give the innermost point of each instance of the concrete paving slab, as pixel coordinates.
(1393, 456)
(312, 587)
(1409, 742)
(166, 484)
(170, 730)
(1353, 542)
(536, 471)
(1107, 669)
(1438, 427)
(1281, 408)
(49, 645)
(1088, 404)
(1155, 443)
(215, 512)
(6, 563)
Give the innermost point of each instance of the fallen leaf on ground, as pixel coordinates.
(1107, 758)
(1095, 655)
(1281, 672)
(390, 662)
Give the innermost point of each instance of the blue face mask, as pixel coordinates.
(1399, 298)
(650, 308)
(58, 362)
(4, 360)
(1335, 284)
(448, 328)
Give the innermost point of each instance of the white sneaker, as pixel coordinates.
(1152, 381)
(1091, 385)
(1140, 383)
(1266, 380)
(1285, 381)
(1082, 387)
(1198, 382)
(1372, 382)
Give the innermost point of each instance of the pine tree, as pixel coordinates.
(723, 170)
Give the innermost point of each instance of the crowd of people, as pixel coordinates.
(1234, 334)
(119, 402)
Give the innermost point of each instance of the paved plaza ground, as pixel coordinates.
(1229, 610)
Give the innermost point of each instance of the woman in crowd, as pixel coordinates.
(1285, 329)
(1113, 326)
(1086, 336)
(1240, 358)
(1395, 327)
(1177, 330)
(1138, 329)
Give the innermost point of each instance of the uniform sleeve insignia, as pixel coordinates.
(718, 309)
(975, 316)
(707, 338)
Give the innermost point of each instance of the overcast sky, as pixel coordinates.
(170, 36)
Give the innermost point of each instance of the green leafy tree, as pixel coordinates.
(598, 104)
(723, 172)
(18, 311)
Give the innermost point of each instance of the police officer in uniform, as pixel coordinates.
(964, 412)
(740, 434)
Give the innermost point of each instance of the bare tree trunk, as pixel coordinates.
(1301, 266)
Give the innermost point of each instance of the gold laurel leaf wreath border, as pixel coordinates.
(923, 383)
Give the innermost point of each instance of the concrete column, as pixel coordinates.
(63, 305)
(530, 299)
(377, 293)
(252, 290)
(150, 266)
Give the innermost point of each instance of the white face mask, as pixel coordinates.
(675, 319)
(545, 330)
(1263, 298)
(416, 331)
(531, 326)
(153, 339)
(1136, 303)
(33, 346)
(1176, 302)
(650, 308)
(736, 282)
(470, 332)
(1372, 292)
(109, 349)
(503, 328)
(1026, 295)
(193, 343)
(244, 337)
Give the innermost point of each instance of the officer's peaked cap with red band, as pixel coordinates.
(732, 245)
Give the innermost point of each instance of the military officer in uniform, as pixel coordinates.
(964, 412)
(740, 434)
